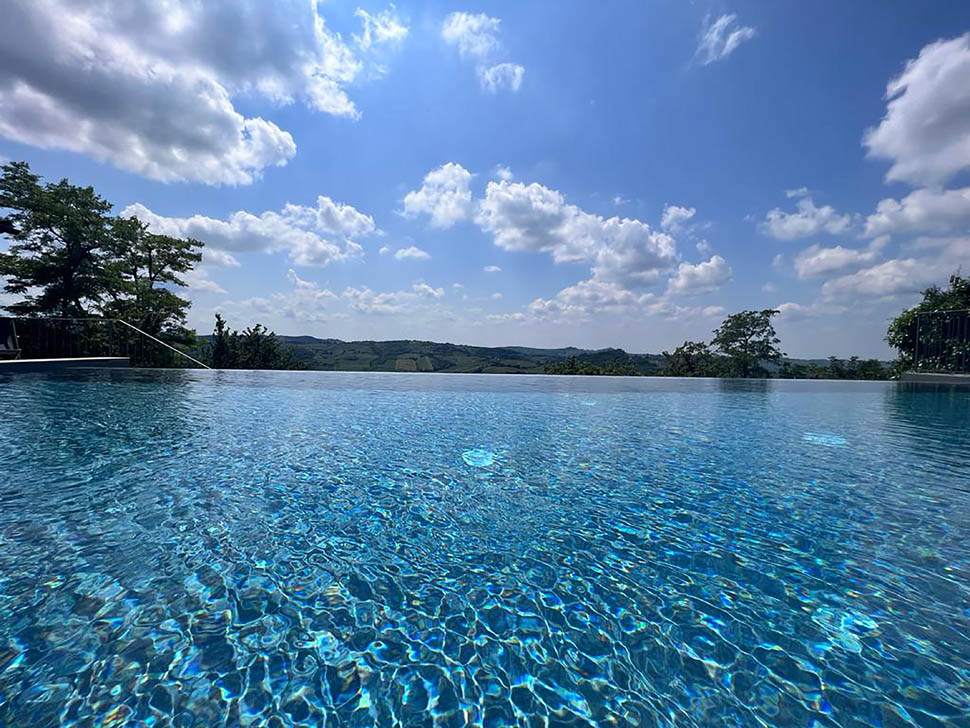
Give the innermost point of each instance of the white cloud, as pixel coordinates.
(797, 311)
(703, 247)
(535, 218)
(413, 253)
(808, 220)
(798, 192)
(496, 296)
(501, 76)
(926, 130)
(383, 28)
(364, 300)
(769, 287)
(586, 297)
(309, 235)
(476, 37)
(674, 215)
(713, 310)
(620, 200)
(149, 87)
(503, 173)
(518, 316)
(384, 250)
(893, 277)
(214, 256)
(491, 269)
(198, 279)
(818, 261)
(445, 196)
(720, 38)
(925, 210)
(778, 262)
(695, 278)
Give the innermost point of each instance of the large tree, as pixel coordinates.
(904, 334)
(146, 268)
(690, 359)
(59, 260)
(747, 339)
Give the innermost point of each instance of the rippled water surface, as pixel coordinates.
(223, 549)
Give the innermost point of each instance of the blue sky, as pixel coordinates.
(634, 170)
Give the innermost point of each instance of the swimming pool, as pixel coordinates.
(241, 548)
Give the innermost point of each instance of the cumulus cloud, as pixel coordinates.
(198, 279)
(695, 278)
(503, 173)
(148, 87)
(817, 261)
(476, 37)
(926, 130)
(721, 37)
(535, 218)
(893, 277)
(674, 215)
(412, 252)
(807, 220)
(501, 76)
(925, 210)
(364, 300)
(587, 297)
(797, 192)
(445, 196)
(309, 235)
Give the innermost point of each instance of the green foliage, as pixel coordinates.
(852, 368)
(146, 267)
(253, 348)
(904, 335)
(71, 258)
(573, 365)
(747, 339)
(59, 262)
(691, 359)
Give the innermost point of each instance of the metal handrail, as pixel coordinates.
(114, 320)
(159, 341)
(941, 340)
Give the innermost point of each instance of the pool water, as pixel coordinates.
(321, 549)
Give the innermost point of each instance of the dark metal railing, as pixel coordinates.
(60, 338)
(942, 341)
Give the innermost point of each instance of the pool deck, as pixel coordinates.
(929, 378)
(25, 366)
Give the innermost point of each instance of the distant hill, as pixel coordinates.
(407, 355)
(430, 356)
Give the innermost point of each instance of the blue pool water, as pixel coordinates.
(221, 549)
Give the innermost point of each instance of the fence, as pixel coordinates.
(59, 338)
(942, 341)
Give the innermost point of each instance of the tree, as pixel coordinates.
(904, 335)
(58, 262)
(222, 353)
(746, 339)
(690, 359)
(146, 267)
(254, 348)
